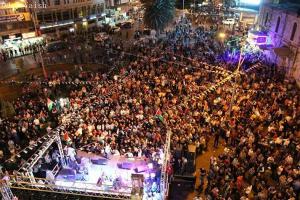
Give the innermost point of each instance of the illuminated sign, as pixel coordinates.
(257, 38)
(250, 2)
(28, 35)
(12, 18)
(261, 40)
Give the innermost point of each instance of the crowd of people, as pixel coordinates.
(20, 49)
(156, 87)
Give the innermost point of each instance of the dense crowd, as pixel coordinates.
(20, 49)
(261, 158)
(158, 86)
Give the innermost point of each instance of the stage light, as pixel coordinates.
(150, 165)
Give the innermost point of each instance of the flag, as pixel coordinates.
(49, 104)
(158, 114)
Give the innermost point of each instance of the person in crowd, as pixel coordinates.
(156, 87)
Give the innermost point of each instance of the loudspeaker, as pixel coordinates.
(100, 161)
(141, 168)
(190, 167)
(192, 148)
(125, 165)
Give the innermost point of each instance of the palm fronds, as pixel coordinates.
(158, 13)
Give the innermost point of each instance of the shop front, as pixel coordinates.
(20, 44)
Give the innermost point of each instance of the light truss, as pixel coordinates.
(5, 191)
(26, 168)
(164, 181)
(22, 183)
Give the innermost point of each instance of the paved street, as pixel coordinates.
(16, 65)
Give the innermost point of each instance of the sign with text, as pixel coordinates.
(28, 35)
(12, 18)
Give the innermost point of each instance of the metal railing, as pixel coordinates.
(75, 188)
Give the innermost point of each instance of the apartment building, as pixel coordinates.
(281, 21)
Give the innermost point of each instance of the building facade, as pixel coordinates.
(57, 14)
(14, 19)
(282, 23)
(64, 14)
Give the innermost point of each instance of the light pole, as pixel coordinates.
(34, 18)
(183, 7)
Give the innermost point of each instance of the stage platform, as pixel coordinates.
(92, 167)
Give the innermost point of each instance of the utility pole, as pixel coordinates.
(35, 21)
(183, 7)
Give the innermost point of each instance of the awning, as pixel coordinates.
(283, 52)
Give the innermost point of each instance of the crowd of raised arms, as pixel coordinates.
(157, 86)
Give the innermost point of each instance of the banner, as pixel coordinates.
(12, 18)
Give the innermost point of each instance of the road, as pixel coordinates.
(16, 65)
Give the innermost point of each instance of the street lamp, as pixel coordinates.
(35, 21)
(222, 36)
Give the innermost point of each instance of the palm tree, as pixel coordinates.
(158, 13)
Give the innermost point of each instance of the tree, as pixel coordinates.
(158, 13)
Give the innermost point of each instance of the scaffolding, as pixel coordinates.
(164, 182)
(27, 168)
(82, 189)
(5, 191)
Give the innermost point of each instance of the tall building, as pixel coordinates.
(281, 21)
(56, 15)
(14, 19)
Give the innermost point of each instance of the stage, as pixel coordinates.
(94, 173)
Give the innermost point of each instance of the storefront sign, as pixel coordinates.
(12, 36)
(28, 35)
(12, 18)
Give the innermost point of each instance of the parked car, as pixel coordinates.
(229, 21)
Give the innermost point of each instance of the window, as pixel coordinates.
(266, 20)
(277, 25)
(294, 31)
(56, 2)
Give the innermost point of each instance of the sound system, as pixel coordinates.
(67, 173)
(100, 161)
(126, 165)
(190, 167)
(141, 168)
(181, 187)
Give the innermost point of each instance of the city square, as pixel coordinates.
(153, 100)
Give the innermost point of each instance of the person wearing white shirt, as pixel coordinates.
(71, 153)
(36, 122)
